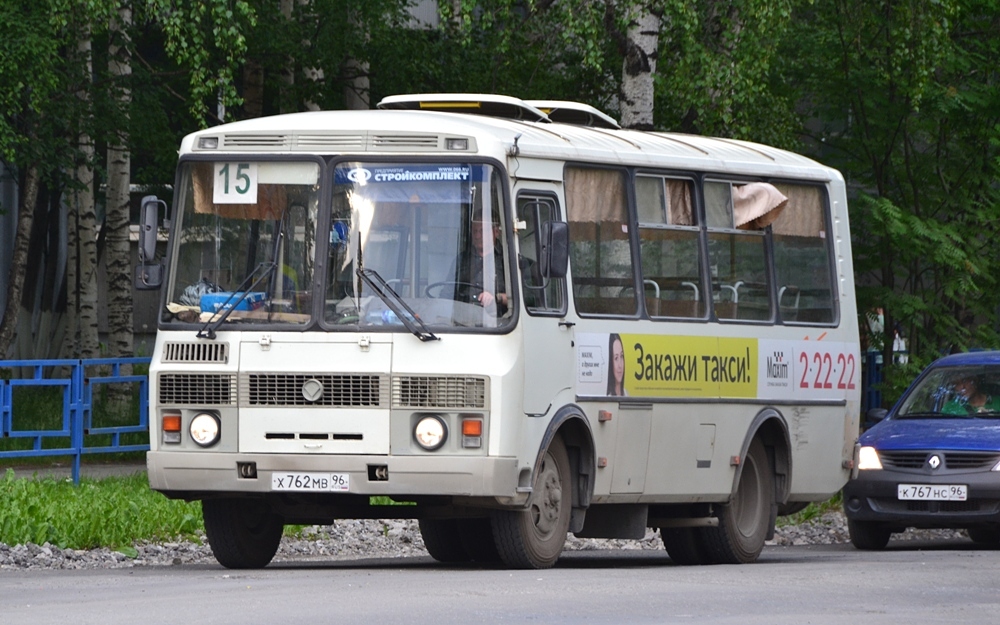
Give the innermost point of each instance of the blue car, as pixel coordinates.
(933, 461)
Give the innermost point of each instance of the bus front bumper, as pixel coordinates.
(177, 472)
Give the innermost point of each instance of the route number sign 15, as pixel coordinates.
(235, 183)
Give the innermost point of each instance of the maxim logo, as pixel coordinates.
(777, 366)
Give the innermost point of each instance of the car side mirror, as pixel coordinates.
(874, 415)
(554, 258)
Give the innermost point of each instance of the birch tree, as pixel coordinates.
(116, 221)
(30, 64)
(81, 272)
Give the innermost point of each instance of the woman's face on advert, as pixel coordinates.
(618, 358)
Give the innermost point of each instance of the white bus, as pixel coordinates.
(512, 319)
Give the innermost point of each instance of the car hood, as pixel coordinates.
(959, 434)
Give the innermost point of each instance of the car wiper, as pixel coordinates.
(396, 304)
(933, 415)
(242, 292)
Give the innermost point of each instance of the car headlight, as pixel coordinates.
(430, 432)
(205, 429)
(868, 459)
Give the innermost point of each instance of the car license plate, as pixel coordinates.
(311, 482)
(936, 492)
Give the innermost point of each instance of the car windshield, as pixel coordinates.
(956, 392)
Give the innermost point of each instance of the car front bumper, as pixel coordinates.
(873, 497)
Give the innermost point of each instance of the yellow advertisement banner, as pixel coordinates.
(689, 366)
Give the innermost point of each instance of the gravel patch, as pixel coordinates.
(351, 539)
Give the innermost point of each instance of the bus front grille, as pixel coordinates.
(196, 352)
(422, 391)
(342, 390)
(197, 389)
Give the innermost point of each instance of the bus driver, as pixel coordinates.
(479, 274)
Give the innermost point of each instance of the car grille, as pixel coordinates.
(974, 506)
(952, 459)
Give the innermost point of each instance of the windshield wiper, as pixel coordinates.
(242, 292)
(396, 304)
(933, 415)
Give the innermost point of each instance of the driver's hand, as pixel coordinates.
(486, 299)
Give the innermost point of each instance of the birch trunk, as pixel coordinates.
(119, 262)
(639, 66)
(81, 275)
(19, 260)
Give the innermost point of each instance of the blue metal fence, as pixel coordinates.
(77, 380)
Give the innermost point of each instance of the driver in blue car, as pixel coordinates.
(969, 398)
(479, 274)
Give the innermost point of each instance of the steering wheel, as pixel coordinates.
(455, 283)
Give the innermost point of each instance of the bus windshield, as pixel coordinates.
(245, 243)
(408, 245)
(432, 233)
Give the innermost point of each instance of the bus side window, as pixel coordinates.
(600, 245)
(541, 295)
(802, 258)
(737, 251)
(668, 248)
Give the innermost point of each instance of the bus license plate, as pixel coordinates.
(938, 492)
(311, 482)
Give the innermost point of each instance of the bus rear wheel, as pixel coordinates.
(441, 540)
(243, 533)
(685, 545)
(746, 520)
(534, 538)
(476, 536)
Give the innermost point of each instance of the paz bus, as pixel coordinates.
(508, 320)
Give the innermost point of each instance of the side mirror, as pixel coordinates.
(874, 415)
(148, 215)
(554, 258)
(148, 274)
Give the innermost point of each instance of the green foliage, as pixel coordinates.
(812, 512)
(115, 512)
(207, 38)
(903, 98)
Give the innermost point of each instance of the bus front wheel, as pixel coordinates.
(243, 533)
(534, 538)
(746, 520)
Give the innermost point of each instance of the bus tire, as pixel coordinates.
(533, 538)
(441, 540)
(243, 533)
(868, 536)
(476, 536)
(745, 521)
(685, 545)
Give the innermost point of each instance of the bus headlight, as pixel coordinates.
(430, 432)
(868, 459)
(205, 429)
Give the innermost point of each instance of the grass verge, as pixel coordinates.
(812, 511)
(114, 512)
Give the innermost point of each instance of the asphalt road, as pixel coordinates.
(918, 583)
